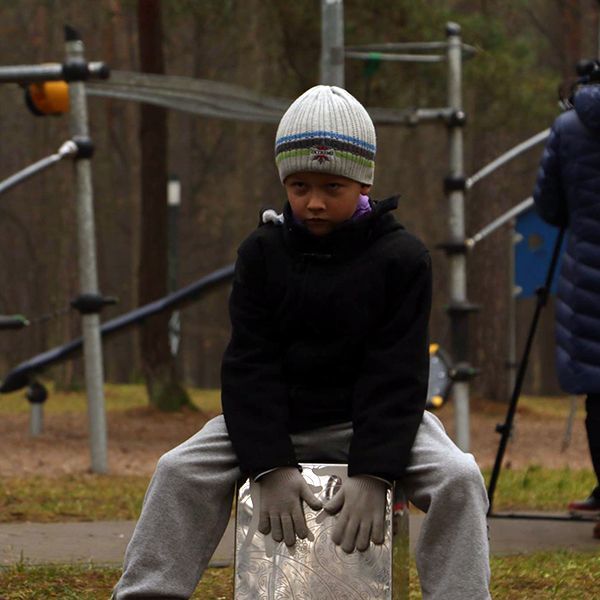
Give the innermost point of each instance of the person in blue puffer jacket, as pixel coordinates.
(567, 194)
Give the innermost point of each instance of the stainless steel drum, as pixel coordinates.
(316, 569)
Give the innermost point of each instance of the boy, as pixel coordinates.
(328, 362)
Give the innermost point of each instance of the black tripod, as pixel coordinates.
(505, 428)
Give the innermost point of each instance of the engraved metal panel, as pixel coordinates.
(315, 568)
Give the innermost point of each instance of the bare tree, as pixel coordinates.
(164, 390)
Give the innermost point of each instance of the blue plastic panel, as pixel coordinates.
(533, 253)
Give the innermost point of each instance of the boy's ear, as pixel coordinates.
(364, 189)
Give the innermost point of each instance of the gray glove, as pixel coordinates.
(281, 513)
(361, 500)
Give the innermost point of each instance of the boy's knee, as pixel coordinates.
(170, 465)
(463, 478)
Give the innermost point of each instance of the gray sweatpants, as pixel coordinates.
(188, 504)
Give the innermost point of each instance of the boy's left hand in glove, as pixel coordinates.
(361, 504)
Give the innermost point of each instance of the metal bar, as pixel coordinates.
(67, 149)
(467, 50)
(332, 42)
(515, 211)
(507, 156)
(94, 371)
(31, 73)
(24, 74)
(21, 375)
(458, 268)
(36, 419)
(419, 58)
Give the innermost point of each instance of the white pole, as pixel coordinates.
(458, 267)
(92, 342)
(174, 202)
(332, 42)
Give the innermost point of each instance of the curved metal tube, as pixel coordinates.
(506, 157)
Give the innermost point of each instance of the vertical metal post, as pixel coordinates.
(458, 270)
(36, 420)
(88, 277)
(332, 42)
(174, 202)
(513, 291)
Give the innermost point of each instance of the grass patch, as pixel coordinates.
(550, 406)
(563, 575)
(89, 582)
(544, 575)
(119, 397)
(537, 488)
(71, 498)
(113, 497)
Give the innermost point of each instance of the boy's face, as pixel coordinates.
(321, 201)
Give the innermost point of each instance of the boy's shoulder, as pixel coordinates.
(397, 243)
(259, 241)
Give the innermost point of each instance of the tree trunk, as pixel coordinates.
(164, 390)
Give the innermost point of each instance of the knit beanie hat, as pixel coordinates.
(326, 130)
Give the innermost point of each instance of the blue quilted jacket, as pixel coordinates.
(567, 192)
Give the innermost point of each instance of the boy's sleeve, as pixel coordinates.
(391, 392)
(548, 194)
(254, 396)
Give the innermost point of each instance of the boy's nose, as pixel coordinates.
(315, 203)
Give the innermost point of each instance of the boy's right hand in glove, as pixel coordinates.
(361, 504)
(281, 512)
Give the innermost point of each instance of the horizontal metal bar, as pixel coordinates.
(386, 116)
(417, 46)
(419, 58)
(31, 73)
(24, 74)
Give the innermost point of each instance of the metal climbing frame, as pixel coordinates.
(75, 71)
(453, 52)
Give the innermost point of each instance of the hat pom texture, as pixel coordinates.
(326, 130)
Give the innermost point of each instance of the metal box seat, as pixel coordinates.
(315, 568)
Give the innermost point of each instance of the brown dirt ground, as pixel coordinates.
(138, 437)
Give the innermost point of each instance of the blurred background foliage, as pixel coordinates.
(525, 49)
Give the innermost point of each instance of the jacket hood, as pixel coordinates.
(587, 106)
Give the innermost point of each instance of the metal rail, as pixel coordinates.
(507, 156)
(69, 148)
(515, 211)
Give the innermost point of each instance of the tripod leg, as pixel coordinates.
(505, 428)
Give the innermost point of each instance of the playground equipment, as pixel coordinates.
(227, 101)
(75, 70)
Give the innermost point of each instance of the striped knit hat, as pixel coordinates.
(326, 130)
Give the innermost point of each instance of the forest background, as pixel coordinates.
(526, 49)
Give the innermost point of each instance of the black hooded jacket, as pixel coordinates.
(328, 329)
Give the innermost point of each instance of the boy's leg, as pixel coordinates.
(452, 553)
(185, 513)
